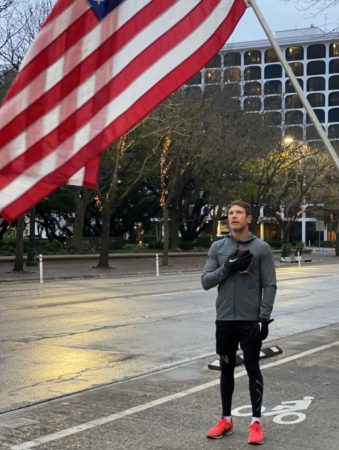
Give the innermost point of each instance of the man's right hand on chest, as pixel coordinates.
(239, 260)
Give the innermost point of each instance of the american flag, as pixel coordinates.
(96, 68)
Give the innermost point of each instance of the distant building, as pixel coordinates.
(258, 79)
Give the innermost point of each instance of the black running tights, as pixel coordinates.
(256, 385)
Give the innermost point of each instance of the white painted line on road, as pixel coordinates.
(128, 412)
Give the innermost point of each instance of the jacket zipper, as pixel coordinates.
(235, 289)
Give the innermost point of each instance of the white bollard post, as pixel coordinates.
(298, 253)
(41, 269)
(157, 263)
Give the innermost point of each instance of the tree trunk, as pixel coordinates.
(166, 235)
(104, 237)
(174, 231)
(287, 230)
(19, 245)
(81, 200)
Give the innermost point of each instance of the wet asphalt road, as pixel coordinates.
(61, 338)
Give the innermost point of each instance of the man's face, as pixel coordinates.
(237, 218)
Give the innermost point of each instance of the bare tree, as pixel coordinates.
(314, 8)
(122, 167)
(4, 5)
(290, 177)
(20, 22)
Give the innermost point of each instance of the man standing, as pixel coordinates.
(243, 268)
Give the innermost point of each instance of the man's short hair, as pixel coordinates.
(246, 206)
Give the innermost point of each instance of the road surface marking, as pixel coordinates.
(160, 401)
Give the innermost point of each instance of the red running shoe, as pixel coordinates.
(256, 433)
(221, 428)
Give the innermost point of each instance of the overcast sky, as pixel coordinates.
(283, 15)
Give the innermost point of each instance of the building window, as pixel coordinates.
(333, 115)
(316, 99)
(334, 49)
(312, 134)
(333, 99)
(333, 132)
(252, 88)
(292, 102)
(320, 113)
(297, 68)
(294, 132)
(294, 117)
(196, 79)
(271, 56)
(231, 75)
(334, 83)
(316, 68)
(294, 53)
(252, 57)
(272, 102)
(274, 117)
(272, 87)
(252, 73)
(212, 76)
(316, 51)
(232, 59)
(252, 104)
(316, 84)
(289, 87)
(334, 66)
(214, 62)
(273, 71)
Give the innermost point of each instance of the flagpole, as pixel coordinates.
(294, 82)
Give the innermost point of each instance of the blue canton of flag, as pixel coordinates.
(104, 7)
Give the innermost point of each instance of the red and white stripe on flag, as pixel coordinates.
(96, 68)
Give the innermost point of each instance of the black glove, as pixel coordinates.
(264, 328)
(239, 260)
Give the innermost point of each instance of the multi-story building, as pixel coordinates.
(258, 79)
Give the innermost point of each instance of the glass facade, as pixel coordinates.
(253, 88)
(273, 87)
(256, 77)
(294, 53)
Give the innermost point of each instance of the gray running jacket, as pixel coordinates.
(241, 296)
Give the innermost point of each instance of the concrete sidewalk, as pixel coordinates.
(84, 266)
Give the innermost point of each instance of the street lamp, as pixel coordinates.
(31, 253)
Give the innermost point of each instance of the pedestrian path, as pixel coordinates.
(85, 266)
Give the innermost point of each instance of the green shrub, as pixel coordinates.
(42, 246)
(275, 244)
(198, 245)
(156, 245)
(186, 245)
(136, 248)
(46, 247)
(7, 247)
